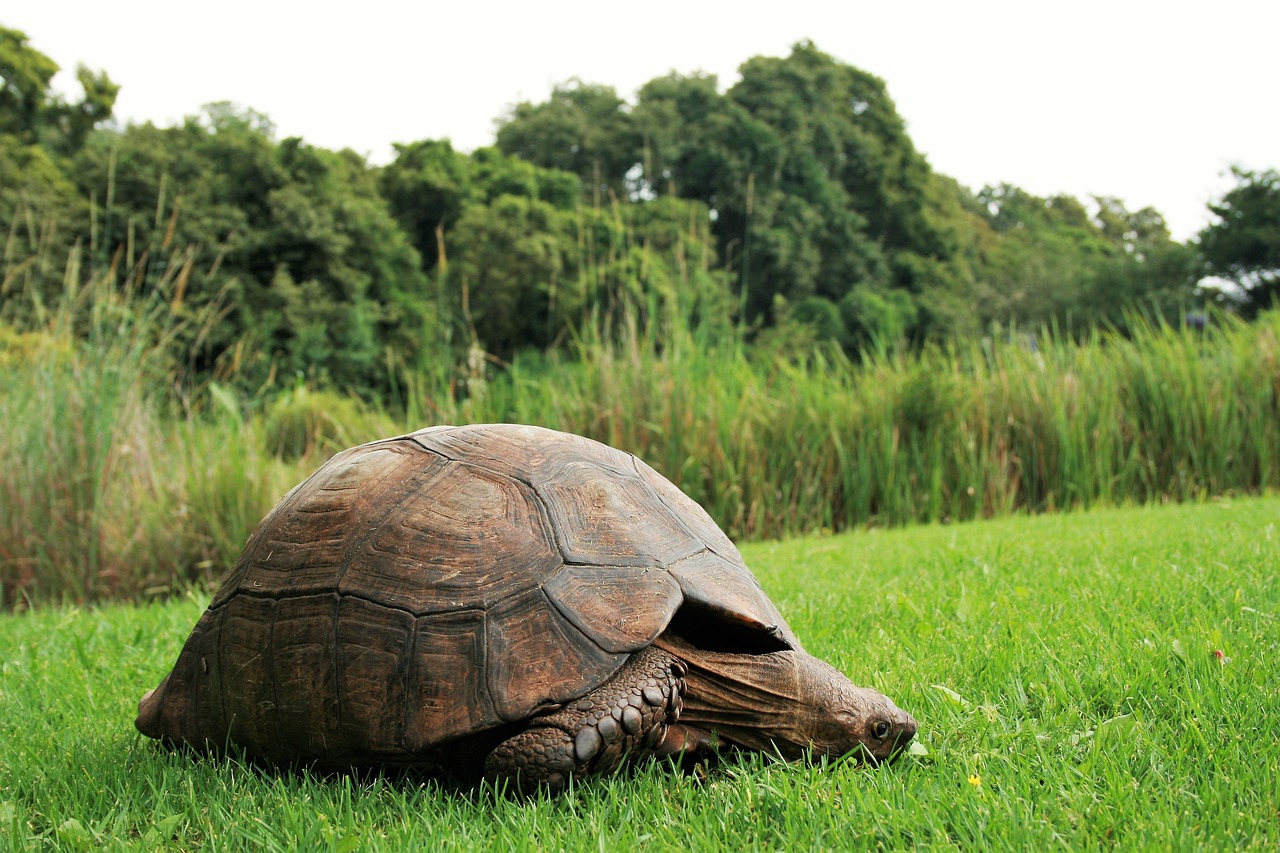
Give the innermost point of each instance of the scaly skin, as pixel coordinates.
(786, 703)
(674, 699)
(627, 715)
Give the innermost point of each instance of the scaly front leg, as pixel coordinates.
(628, 715)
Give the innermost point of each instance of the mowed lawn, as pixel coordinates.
(1103, 679)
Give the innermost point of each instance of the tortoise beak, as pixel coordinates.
(905, 729)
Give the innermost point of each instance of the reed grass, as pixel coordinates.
(120, 478)
(967, 429)
(108, 486)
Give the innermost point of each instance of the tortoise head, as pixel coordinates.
(837, 718)
(789, 703)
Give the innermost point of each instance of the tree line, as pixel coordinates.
(790, 209)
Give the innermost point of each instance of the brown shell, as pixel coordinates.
(423, 588)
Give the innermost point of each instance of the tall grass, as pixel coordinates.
(118, 480)
(108, 487)
(968, 429)
(74, 413)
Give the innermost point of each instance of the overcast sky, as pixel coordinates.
(1150, 102)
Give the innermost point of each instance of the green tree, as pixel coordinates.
(1151, 273)
(192, 194)
(1049, 260)
(25, 74)
(582, 128)
(30, 113)
(843, 119)
(497, 174)
(427, 187)
(1243, 246)
(330, 230)
(40, 208)
(66, 125)
(526, 274)
(815, 190)
(687, 128)
(508, 269)
(1038, 263)
(839, 194)
(291, 244)
(649, 261)
(41, 212)
(697, 144)
(784, 227)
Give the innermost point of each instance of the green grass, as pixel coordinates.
(1061, 667)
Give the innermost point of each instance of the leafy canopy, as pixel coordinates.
(1243, 246)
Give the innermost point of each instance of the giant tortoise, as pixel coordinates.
(502, 601)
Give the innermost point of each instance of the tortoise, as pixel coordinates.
(504, 602)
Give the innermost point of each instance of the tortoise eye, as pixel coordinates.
(880, 729)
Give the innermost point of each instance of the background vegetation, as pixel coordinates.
(765, 291)
(112, 483)
(793, 198)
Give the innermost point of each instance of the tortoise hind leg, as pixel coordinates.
(628, 715)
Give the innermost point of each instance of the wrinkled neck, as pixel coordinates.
(747, 700)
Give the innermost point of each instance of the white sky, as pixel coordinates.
(1150, 102)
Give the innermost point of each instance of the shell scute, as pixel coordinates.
(468, 537)
(622, 609)
(607, 519)
(536, 658)
(721, 587)
(690, 512)
(303, 543)
(528, 453)
(373, 645)
(305, 671)
(446, 700)
(245, 653)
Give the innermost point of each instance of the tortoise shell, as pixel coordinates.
(424, 588)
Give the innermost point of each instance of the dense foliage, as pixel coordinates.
(1243, 246)
(821, 203)
(109, 489)
(791, 207)
(766, 292)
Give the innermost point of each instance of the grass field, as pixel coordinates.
(1065, 670)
